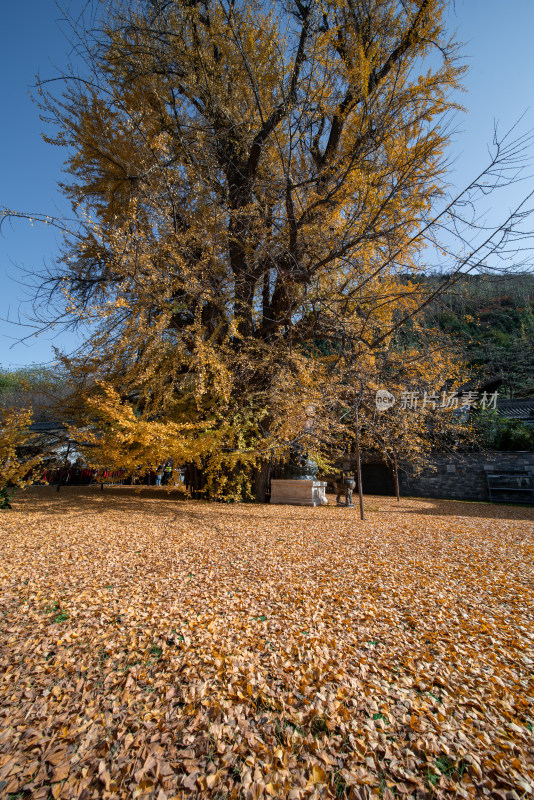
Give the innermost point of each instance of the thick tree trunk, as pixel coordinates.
(262, 475)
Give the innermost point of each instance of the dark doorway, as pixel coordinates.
(378, 479)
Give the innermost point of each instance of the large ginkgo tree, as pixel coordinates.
(254, 184)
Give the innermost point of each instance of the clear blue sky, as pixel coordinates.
(498, 48)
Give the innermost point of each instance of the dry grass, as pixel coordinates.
(159, 648)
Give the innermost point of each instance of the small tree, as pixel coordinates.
(424, 376)
(16, 465)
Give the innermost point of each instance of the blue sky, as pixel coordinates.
(498, 50)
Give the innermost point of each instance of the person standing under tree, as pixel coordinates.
(167, 473)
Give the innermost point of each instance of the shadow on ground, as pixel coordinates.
(173, 501)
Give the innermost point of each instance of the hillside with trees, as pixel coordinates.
(491, 318)
(37, 388)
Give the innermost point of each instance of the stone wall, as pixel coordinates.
(461, 476)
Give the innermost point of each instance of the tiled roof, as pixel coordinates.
(52, 426)
(522, 409)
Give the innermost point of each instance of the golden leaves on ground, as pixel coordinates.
(162, 649)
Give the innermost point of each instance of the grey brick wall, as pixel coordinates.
(461, 476)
